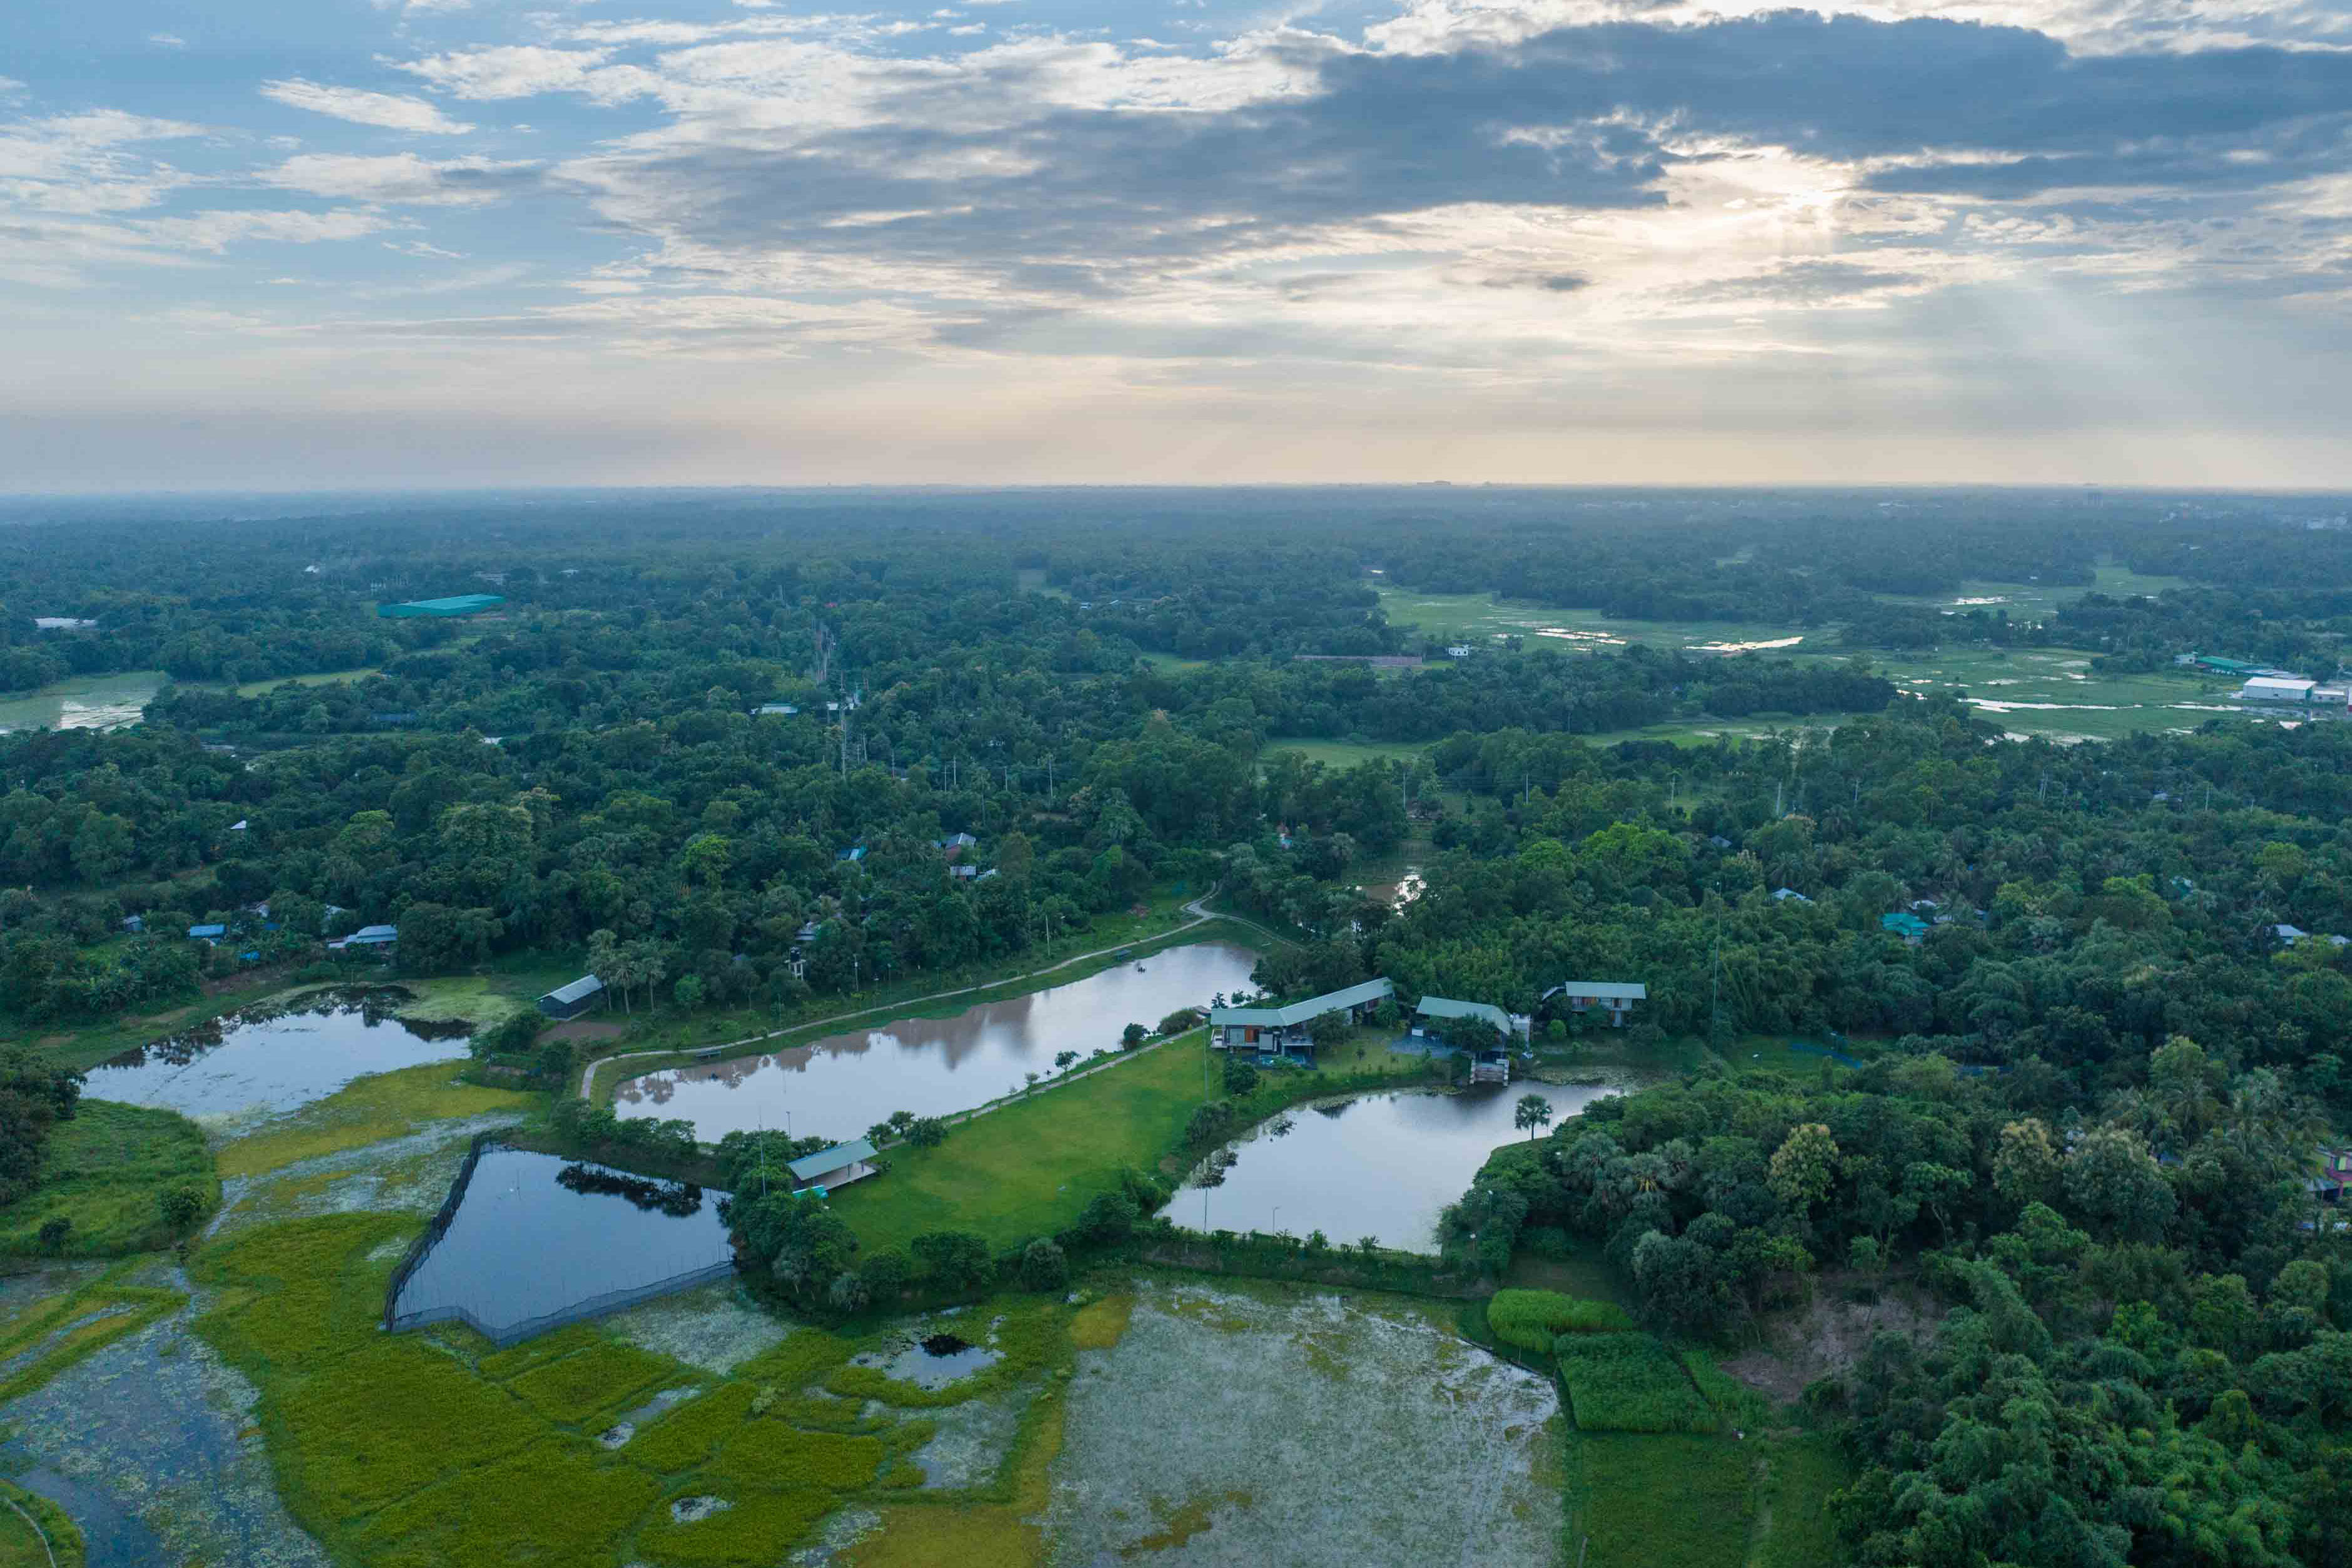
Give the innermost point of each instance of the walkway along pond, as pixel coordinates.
(528, 1242)
(1376, 1165)
(266, 1060)
(837, 1087)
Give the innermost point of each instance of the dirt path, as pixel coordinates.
(1198, 909)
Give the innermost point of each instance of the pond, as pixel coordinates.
(839, 1087)
(265, 1061)
(534, 1241)
(1376, 1165)
(94, 701)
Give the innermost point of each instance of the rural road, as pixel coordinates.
(1197, 909)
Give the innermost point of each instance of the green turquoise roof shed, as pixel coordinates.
(463, 604)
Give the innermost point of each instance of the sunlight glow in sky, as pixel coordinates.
(259, 243)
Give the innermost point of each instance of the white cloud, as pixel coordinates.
(400, 177)
(510, 70)
(167, 40)
(394, 111)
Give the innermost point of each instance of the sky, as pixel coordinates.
(305, 244)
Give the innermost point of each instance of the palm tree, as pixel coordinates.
(1533, 1111)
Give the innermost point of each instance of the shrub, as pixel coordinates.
(1133, 1035)
(1240, 1076)
(512, 1035)
(1531, 1320)
(54, 1231)
(953, 1260)
(1628, 1383)
(926, 1132)
(1044, 1267)
(180, 1207)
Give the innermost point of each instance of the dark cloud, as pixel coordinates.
(1583, 118)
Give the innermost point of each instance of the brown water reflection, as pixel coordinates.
(839, 1086)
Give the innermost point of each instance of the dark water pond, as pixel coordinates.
(537, 1240)
(1379, 1165)
(839, 1087)
(266, 1060)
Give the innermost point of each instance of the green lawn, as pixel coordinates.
(1342, 753)
(104, 1170)
(325, 678)
(1027, 1169)
(1481, 618)
(1673, 1501)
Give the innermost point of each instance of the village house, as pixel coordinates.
(1613, 997)
(1284, 1028)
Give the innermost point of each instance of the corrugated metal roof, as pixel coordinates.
(1447, 1008)
(586, 986)
(457, 604)
(1299, 1012)
(1608, 991)
(808, 1167)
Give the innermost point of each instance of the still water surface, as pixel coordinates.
(537, 1241)
(95, 702)
(1378, 1165)
(269, 1059)
(839, 1086)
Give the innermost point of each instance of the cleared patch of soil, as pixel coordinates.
(1826, 1338)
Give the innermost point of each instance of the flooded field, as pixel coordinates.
(269, 1061)
(91, 702)
(1376, 1165)
(839, 1087)
(266, 1060)
(537, 1241)
(1244, 1428)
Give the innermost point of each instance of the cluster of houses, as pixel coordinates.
(1284, 1030)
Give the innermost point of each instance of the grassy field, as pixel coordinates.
(1027, 1168)
(325, 678)
(1342, 753)
(106, 1171)
(433, 1448)
(36, 1532)
(1174, 663)
(2036, 601)
(369, 1111)
(1481, 618)
(2053, 692)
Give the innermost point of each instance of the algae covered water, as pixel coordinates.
(266, 1060)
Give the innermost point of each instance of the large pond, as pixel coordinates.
(536, 1241)
(264, 1061)
(1376, 1165)
(95, 702)
(839, 1086)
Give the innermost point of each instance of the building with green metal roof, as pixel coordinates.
(463, 604)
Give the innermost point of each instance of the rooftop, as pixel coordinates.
(1299, 1012)
(808, 1167)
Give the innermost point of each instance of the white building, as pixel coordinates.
(2272, 689)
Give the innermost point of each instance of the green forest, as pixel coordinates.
(2074, 1019)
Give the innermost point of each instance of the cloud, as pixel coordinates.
(394, 111)
(167, 40)
(403, 179)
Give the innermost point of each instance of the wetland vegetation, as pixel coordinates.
(1976, 1088)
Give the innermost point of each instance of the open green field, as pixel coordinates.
(1342, 754)
(1027, 1168)
(327, 678)
(86, 702)
(1174, 663)
(35, 1533)
(104, 1172)
(1482, 618)
(2036, 601)
(2053, 692)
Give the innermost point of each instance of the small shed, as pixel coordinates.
(206, 932)
(836, 1166)
(1910, 928)
(458, 604)
(570, 1002)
